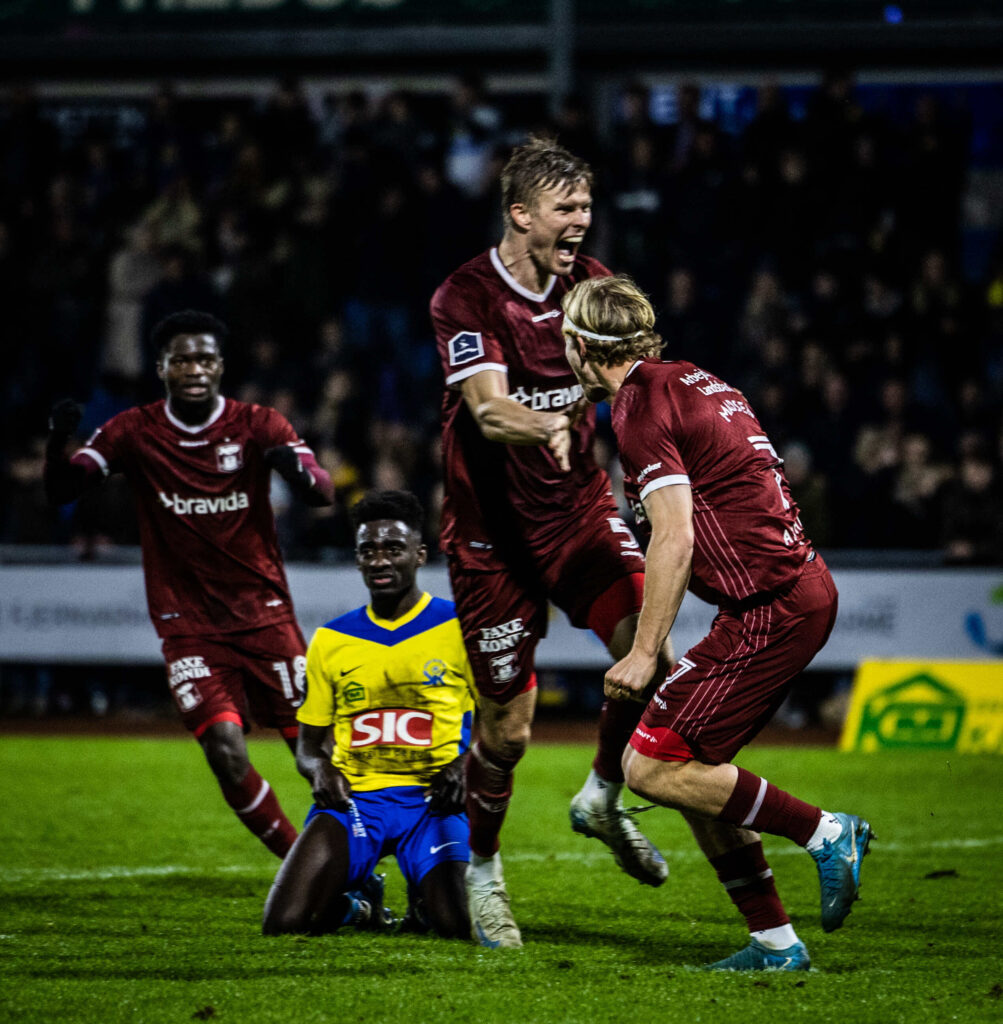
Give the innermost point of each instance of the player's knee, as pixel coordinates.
(227, 757)
(283, 919)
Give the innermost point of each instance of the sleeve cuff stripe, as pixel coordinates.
(663, 481)
(96, 456)
(470, 371)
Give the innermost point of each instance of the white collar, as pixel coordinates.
(514, 284)
(187, 428)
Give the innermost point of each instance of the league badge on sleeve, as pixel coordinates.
(229, 457)
(465, 347)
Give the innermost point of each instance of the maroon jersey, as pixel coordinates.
(678, 424)
(210, 552)
(506, 502)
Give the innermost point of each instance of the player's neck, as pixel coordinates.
(394, 606)
(193, 414)
(516, 259)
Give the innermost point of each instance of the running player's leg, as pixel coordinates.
(250, 796)
(307, 895)
(502, 623)
(206, 678)
(599, 584)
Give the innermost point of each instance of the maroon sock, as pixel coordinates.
(758, 805)
(489, 789)
(617, 722)
(749, 881)
(257, 806)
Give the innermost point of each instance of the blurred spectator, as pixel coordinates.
(973, 514)
(812, 261)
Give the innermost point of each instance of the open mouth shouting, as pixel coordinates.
(566, 250)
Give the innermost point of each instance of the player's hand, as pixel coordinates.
(331, 791)
(559, 442)
(285, 462)
(629, 677)
(65, 417)
(447, 792)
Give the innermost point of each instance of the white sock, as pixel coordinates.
(484, 869)
(828, 828)
(776, 938)
(598, 788)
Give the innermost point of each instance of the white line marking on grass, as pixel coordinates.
(595, 855)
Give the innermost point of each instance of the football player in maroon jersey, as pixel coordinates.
(528, 515)
(200, 468)
(702, 473)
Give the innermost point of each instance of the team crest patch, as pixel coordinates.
(465, 347)
(229, 457)
(434, 671)
(504, 668)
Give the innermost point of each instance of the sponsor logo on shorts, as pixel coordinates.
(193, 667)
(358, 825)
(465, 347)
(398, 727)
(502, 637)
(204, 506)
(435, 849)
(504, 668)
(229, 457)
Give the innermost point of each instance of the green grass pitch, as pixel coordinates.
(129, 893)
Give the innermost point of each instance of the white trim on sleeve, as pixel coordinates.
(96, 456)
(470, 371)
(663, 481)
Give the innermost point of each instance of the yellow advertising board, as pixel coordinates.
(931, 705)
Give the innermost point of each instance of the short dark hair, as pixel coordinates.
(188, 321)
(400, 506)
(537, 165)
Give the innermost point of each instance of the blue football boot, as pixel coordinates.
(839, 869)
(757, 957)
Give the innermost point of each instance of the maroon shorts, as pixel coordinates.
(728, 686)
(260, 674)
(504, 613)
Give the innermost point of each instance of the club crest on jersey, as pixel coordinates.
(434, 671)
(465, 347)
(504, 668)
(229, 457)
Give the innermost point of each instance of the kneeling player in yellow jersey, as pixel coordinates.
(389, 684)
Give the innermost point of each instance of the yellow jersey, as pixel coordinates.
(400, 694)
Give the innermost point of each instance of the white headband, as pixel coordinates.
(570, 325)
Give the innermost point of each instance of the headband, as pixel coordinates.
(570, 325)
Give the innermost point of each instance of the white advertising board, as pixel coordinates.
(97, 614)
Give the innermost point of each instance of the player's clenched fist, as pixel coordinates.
(65, 417)
(287, 464)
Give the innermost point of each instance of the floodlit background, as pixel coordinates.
(811, 193)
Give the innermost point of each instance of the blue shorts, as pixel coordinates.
(397, 820)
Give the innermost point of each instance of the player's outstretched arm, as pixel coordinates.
(330, 788)
(509, 422)
(299, 468)
(668, 563)
(447, 792)
(64, 480)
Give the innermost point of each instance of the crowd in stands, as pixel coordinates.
(812, 262)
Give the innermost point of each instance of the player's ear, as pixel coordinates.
(161, 370)
(422, 554)
(521, 216)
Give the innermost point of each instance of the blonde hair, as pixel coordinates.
(614, 319)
